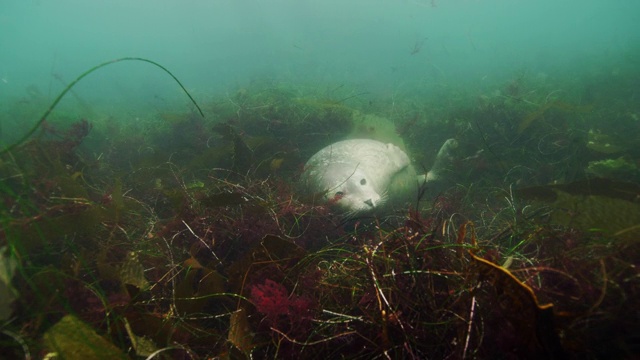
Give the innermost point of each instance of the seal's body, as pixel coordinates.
(361, 175)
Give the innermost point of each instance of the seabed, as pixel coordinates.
(182, 236)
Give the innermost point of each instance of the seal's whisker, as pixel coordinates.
(383, 198)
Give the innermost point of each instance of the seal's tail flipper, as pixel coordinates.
(443, 159)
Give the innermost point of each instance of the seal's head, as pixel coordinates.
(354, 175)
(352, 190)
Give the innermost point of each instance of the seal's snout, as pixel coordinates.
(370, 202)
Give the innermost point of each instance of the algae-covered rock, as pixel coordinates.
(602, 205)
(613, 168)
(615, 217)
(374, 127)
(72, 339)
(603, 143)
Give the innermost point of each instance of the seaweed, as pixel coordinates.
(190, 240)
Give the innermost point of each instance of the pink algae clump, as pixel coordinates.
(272, 300)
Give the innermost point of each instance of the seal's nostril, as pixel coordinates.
(369, 202)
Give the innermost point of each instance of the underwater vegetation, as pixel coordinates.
(189, 240)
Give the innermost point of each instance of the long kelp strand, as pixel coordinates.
(72, 84)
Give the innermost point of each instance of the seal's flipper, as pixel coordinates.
(442, 162)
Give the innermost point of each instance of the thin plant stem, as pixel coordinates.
(74, 82)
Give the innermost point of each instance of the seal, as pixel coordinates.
(362, 175)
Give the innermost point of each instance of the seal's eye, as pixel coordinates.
(363, 182)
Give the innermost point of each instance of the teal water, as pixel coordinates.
(380, 46)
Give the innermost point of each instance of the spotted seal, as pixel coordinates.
(363, 175)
